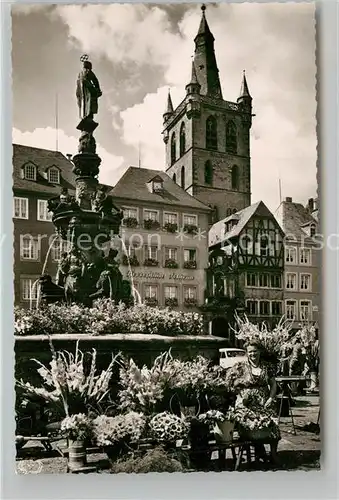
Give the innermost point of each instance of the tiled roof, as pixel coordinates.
(217, 233)
(133, 185)
(42, 159)
(294, 216)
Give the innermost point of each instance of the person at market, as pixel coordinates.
(255, 387)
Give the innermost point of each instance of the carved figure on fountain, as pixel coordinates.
(62, 270)
(87, 143)
(87, 93)
(62, 203)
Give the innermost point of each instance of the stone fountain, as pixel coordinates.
(88, 221)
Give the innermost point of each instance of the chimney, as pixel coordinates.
(69, 156)
(311, 204)
(289, 199)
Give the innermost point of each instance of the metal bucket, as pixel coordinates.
(76, 455)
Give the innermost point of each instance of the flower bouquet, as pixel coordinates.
(77, 427)
(168, 428)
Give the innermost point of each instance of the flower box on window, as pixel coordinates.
(151, 263)
(132, 261)
(190, 228)
(190, 264)
(130, 222)
(171, 263)
(151, 224)
(190, 301)
(171, 301)
(151, 301)
(171, 227)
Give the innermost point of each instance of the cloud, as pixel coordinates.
(111, 168)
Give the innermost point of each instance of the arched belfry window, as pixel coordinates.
(211, 133)
(231, 137)
(235, 177)
(182, 139)
(183, 177)
(173, 148)
(208, 173)
(175, 177)
(228, 212)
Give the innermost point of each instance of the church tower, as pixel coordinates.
(207, 138)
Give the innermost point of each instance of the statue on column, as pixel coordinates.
(87, 92)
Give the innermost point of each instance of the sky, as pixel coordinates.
(139, 51)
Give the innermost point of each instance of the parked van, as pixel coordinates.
(229, 356)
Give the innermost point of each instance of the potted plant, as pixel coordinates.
(151, 224)
(171, 263)
(78, 428)
(130, 222)
(190, 264)
(171, 227)
(151, 262)
(309, 342)
(151, 301)
(190, 302)
(130, 260)
(190, 228)
(171, 301)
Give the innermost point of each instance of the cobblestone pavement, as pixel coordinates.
(296, 452)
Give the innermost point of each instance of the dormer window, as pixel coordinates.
(29, 172)
(157, 184)
(53, 175)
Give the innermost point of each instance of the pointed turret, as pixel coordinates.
(204, 59)
(245, 95)
(193, 87)
(169, 108)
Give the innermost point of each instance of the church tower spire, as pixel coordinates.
(205, 61)
(244, 92)
(169, 108)
(193, 87)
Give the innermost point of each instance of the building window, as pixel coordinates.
(173, 148)
(20, 208)
(305, 310)
(208, 173)
(211, 133)
(290, 255)
(54, 176)
(183, 177)
(252, 307)
(231, 138)
(312, 230)
(152, 252)
(170, 218)
(29, 289)
(264, 246)
(151, 215)
(130, 213)
(171, 292)
(291, 309)
(235, 177)
(29, 248)
(275, 281)
(277, 308)
(305, 256)
(228, 212)
(171, 254)
(190, 292)
(151, 291)
(182, 139)
(190, 255)
(157, 186)
(264, 308)
(305, 282)
(59, 247)
(30, 172)
(190, 220)
(291, 281)
(175, 178)
(263, 280)
(43, 212)
(251, 279)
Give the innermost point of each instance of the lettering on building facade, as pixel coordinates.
(159, 276)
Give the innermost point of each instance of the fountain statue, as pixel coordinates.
(84, 272)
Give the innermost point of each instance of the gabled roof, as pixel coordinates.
(294, 217)
(133, 185)
(42, 159)
(217, 233)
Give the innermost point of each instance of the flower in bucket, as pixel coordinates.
(212, 417)
(77, 427)
(110, 430)
(168, 427)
